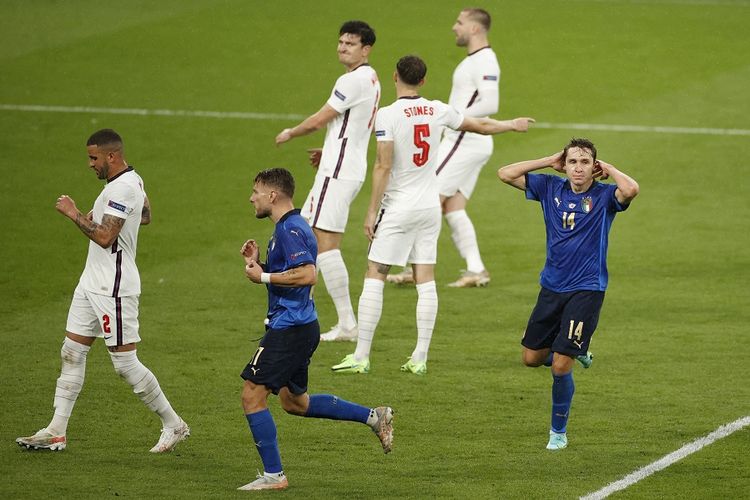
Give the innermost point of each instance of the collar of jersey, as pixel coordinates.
(129, 169)
(288, 214)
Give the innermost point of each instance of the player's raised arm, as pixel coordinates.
(381, 172)
(490, 126)
(308, 125)
(627, 187)
(515, 173)
(103, 234)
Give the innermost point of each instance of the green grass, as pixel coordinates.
(672, 344)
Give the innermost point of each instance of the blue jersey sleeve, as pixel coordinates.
(296, 246)
(614, 205)
(536, 186)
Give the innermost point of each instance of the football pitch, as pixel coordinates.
(199, 89)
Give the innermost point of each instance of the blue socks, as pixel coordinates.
(562, 396)
(329, 406)
(264, 433)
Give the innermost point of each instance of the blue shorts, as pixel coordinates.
(282, 358)
(563, 322)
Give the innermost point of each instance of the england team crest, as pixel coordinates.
(587, 204)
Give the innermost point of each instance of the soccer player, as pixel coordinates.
(105, 302)
(578, 214)
(462, 154)
(280, 363)
(403, 217)
(342, 164)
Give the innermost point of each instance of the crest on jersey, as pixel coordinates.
(587, 204)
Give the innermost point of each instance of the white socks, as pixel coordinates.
(69, 384)
(145, 385)
(427, 308)
(465, 238)
(370, 308)
(336, 277)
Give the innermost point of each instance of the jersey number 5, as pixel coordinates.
(420, 132)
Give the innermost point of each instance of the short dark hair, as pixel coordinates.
(480, 16)
(278, 178)
(361, 28)
(579, 143)
(411, 69)
(105, 137)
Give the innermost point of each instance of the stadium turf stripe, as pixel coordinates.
(666, 461)
(243, 115)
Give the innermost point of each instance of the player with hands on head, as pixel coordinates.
(341, 164)
(280, 363)
(403, 217)
(578, 214)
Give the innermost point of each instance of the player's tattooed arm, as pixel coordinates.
(146, 212)
(296, 277)
(103, 234)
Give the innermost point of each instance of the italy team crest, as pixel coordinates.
(587, 204)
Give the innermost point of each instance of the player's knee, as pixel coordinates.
(73, 353)
(531, 358)
(293, 405)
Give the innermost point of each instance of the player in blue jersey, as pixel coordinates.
(280, 363)
(578, 213)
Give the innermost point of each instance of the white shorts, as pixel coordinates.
(327, 205)
(115, 319)
(402, 237)
(465, 159)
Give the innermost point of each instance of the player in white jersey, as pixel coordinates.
(105, 302)
(463, 154)
(348, 114)
(403, 217)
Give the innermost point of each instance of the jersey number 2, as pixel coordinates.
(420, 132)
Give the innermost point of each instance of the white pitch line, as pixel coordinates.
(663, 463)
(242, 115)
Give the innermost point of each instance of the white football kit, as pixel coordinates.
(105, 302)
(343, 164)
(475, 93)
(408, 224)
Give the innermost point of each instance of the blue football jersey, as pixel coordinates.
(577, 226)
(292, 245)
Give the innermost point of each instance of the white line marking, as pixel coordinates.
(150, 112)
(663, 463)
(242, 115)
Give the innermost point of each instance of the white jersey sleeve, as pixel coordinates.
(120, 200)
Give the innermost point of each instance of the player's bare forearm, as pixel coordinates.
(103, 234)
(490, 126)
(146, 212)
(305, 275)
(514, 174)
(627, 187)
(309, 124)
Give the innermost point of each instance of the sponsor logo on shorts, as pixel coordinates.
(339, 95)
(117, 206)
(492, 78)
